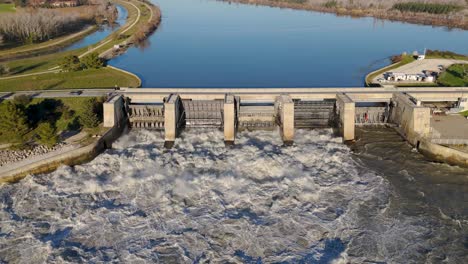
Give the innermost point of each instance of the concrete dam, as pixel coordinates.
(233, 110)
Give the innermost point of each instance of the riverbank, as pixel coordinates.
(43, 72)
(448, 20)
(24, 52)
(70, 156)
(446, 64)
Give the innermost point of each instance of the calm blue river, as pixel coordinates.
(102, 33)
(208, 43)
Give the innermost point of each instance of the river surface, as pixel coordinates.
(318, 201)
(257, 202)
(102, 32)
(208, 43)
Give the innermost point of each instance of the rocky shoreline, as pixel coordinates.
(11, 156)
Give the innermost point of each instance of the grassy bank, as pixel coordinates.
(99, 78)
(50, 45)
(139, 16)
(7, 8)
(455, 76)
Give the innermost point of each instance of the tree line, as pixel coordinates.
(34, 25)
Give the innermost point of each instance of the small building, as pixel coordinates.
(64, 3)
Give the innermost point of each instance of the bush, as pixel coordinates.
(22, 99)
(47, 134)
(92, 61)
(331, 4)
(4, 69)
(71, 63)
(431, 8)
(13, 122)
(89, 117)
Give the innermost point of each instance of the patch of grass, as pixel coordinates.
(7, 8)
(438, 54)
(96, 78)
(455, 75)
(464, 113)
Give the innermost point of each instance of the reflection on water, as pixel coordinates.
(102, 33)
(257, 202)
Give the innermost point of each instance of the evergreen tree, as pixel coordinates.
(47, 134)
(89, 117)
(92, 61)
(13, 122)
(71, 63)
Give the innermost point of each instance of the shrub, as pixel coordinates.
(4, 69)
(92, 61)
(22, 99)
(71, 63)
(331, 4)
(47, 134)
(432, 8)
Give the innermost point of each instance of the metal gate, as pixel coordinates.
(203, 113)
(313, 114)
(146, 116)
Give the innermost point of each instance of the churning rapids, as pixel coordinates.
(257, 202)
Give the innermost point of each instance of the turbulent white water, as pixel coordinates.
(200, 201)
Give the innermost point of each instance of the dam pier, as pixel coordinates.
(231, 110)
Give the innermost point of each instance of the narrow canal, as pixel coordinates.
(209, 43)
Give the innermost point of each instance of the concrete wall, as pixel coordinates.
(285, 106)
(171, 118)
(413, 120)
(114, 113)
(73, 157)
(229, 117)
(443, 154)
(347, 111)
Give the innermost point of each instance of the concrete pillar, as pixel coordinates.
(113, 111)
(413, 120)
(229, 119)
(347, 112)
(171, 119)
(286, 114)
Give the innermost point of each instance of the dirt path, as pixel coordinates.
(123, 32)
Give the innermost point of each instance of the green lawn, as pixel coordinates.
(7, 8)
(455, 75)
(100, 78)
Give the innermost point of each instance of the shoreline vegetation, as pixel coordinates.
(436, 13)
(43, 72)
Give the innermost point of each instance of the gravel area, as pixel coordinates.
(12, 156)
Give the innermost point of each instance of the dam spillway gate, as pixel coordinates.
(306, 114)
(303, 109)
